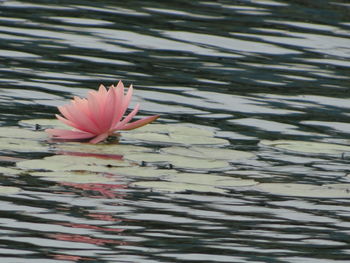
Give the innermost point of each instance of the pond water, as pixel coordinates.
(253, 71)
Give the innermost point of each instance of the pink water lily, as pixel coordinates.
(99, 115)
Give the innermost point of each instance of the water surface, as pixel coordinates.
(255, 70)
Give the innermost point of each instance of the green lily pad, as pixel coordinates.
(211, 180)
(73, 177)
(72, 163)
(149, 172)
(44, 123)
(307, 147)
(208, 153)
(9, 171)
(170, 134)
(182, 182)
(173, 129)
(21, 145)
(16, 132)
(307, 190)
(9, 190)
(172, 187)
(115, 149)
(156, 138)
(178, 161)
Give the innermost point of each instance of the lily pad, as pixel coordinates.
(72, 163)
(9, 171)
(16, 132)
(178, 161)
(103, 149)
(21, 145)
(44, 123)
(173, 129)
(149, 172)
(9, 190)
(307, 190)
(170, 134)
(208, 153)
(182, 182)
(73, 177)
(173, 139)
(211, 180)
(172, 187)
(307, 147)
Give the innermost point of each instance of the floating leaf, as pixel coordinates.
(173, 129)
(9, 171)
(44, 123)
(178, 161)
(116, 149)
(16, 132)
(211, 180)
(182, 182)
(71, 163)
(73, 177)
(21, 145)
(149, 172)
(307, 190)
(170, 134)
(172, 187)
(156, 138)
(307, 147)
(10, 159)
(9, 190)
(208, 153)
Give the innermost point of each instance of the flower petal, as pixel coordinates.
(68, 122)
(99, 138)
(128, 118)
(119, 110)
(94, 108)
(69, 135)
(140, 123)
(83, 121)
(107, 117)
(127, 98)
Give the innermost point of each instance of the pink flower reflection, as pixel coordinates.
(102, 190)
(70, 257)
(86, 239)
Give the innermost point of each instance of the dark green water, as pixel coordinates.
(255, 70)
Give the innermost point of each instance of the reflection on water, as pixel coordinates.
(255, 70)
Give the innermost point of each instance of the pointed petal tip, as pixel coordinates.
(140, 123)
